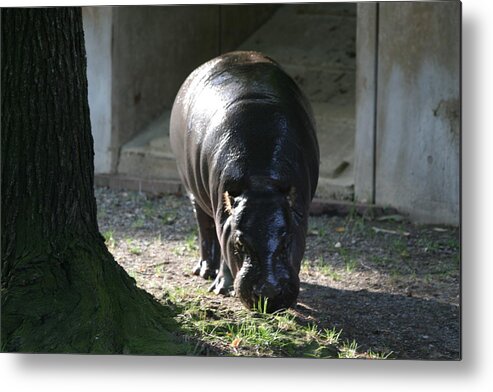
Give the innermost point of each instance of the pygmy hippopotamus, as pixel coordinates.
(247, 153)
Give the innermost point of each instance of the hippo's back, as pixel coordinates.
(239, 105)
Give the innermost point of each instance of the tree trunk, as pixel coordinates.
(62, 291)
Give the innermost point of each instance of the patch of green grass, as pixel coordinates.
(452, 243)
(311, 331)
(399, 246)
(178, 250)
(356, 223)
(286, 321)
(149, 209)
(153, 211)
(331, 336)
(132, 248)
(321, 267)
(431, 246)
(168, 217)
(353, 213)
(253, 333)
(350, 264)
(349, 350)
(135, 250)
(191, 243)
(189, 246)
(321, 232)
(380, 260)
(317, 229)
(138, 223)
(305, 266)
(448, 245)
(261, 305)
(177, 294)
(109, 239)
(250, 332)
(456, 260)
(428, 278)
(376, 355)
(349, 261)
(395, 276)
(326, 269)
(158, 270)
(439, 270)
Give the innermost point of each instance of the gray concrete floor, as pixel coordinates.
(315, 44)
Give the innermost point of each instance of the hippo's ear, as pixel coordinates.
(228, 202)
(291, 196)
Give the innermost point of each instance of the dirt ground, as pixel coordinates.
(387, 284)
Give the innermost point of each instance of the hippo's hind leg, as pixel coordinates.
(210, 251)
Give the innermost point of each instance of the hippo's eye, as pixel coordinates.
(239, 245)
(238, 241)
(291, 197)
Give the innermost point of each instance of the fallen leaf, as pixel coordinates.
(340, 229)
(236, 342)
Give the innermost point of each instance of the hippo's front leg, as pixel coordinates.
(223, 284)
(210, 251)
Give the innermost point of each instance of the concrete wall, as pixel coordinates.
(98, 34)
(417, 109)
(154, 50)
(366, 72)
(240, 21)
(138, 56)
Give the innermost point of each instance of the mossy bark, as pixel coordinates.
(62, 291)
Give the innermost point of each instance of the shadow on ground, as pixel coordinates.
(412, 328)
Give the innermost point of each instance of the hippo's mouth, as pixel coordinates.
(244, 286)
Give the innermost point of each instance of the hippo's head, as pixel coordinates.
(263, 240)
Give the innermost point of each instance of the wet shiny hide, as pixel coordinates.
(247, 153)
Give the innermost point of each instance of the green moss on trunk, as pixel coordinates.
(79, 300)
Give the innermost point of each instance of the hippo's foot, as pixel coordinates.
(204, 270)
(223, 284)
